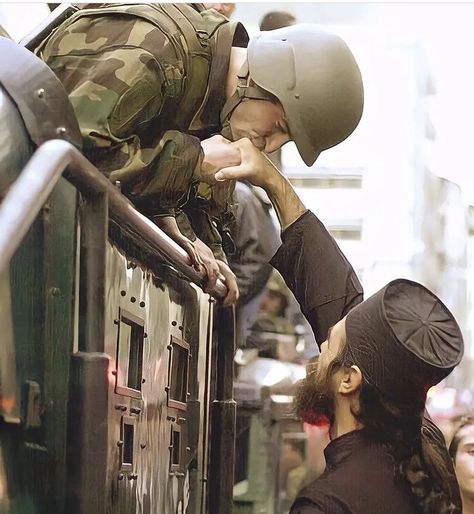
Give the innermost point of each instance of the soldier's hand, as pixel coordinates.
(208, 262)
(218, 154)
(254, 166)
(170, 227)
(230, 282)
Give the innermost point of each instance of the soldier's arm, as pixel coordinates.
(315, 269)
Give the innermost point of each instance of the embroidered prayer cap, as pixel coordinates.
(405, 340)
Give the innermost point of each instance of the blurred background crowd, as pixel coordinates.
(398, 196)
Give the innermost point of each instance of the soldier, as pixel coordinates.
(152, 83)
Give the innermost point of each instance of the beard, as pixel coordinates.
(314, 401)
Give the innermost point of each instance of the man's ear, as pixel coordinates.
(351, 380)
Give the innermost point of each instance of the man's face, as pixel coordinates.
(465, 461)
(315, 395)
(262, 121)
(272, 303)
(226, 9)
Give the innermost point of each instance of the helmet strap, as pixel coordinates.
(245, 89)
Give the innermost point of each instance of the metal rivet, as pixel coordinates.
(188, 448)
(133, 476)
(116, 321)
(169, 347)
(123, 293)
(133, 299)
(174, 323)
(143, 446)
(40, 93)
(297, 95)
(142, 304)
(119, 443)
(145, 335)
(60, 131)
(121, 476)
(118, 184)
(114, 372)
(180, 328)
(135, 410)
(167, 389)
(143, 380)
(55, 291)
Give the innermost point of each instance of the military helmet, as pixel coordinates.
(316, 79)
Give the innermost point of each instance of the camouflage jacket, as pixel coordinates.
(146, 82)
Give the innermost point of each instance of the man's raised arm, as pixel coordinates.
(312, 264)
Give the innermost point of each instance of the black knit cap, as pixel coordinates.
(405, 340)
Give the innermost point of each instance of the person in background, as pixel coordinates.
(276, 20)
(226, 9)
(276, 298)
(461, 450)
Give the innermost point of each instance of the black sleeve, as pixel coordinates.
(317, 272)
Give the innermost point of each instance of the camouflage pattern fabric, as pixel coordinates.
(126, 71)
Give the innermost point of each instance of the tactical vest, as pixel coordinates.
(197, 26)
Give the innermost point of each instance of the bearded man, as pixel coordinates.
(378, 359)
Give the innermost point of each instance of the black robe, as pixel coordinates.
(359, 478)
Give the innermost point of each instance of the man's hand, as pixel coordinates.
(230, 282)
(170, 227)
(208, 262)
(257, 168)
(218, 154)
(253, 166)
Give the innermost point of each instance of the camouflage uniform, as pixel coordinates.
(146, 83)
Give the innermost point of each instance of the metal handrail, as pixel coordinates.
(30, 191)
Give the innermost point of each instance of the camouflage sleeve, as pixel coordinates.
(125, 81)
(165, 191)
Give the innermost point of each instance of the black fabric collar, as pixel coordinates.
(342, 447)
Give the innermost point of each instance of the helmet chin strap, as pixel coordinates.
(245, 89)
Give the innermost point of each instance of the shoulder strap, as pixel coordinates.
(189, 31)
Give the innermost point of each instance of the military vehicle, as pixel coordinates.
(116, 368)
